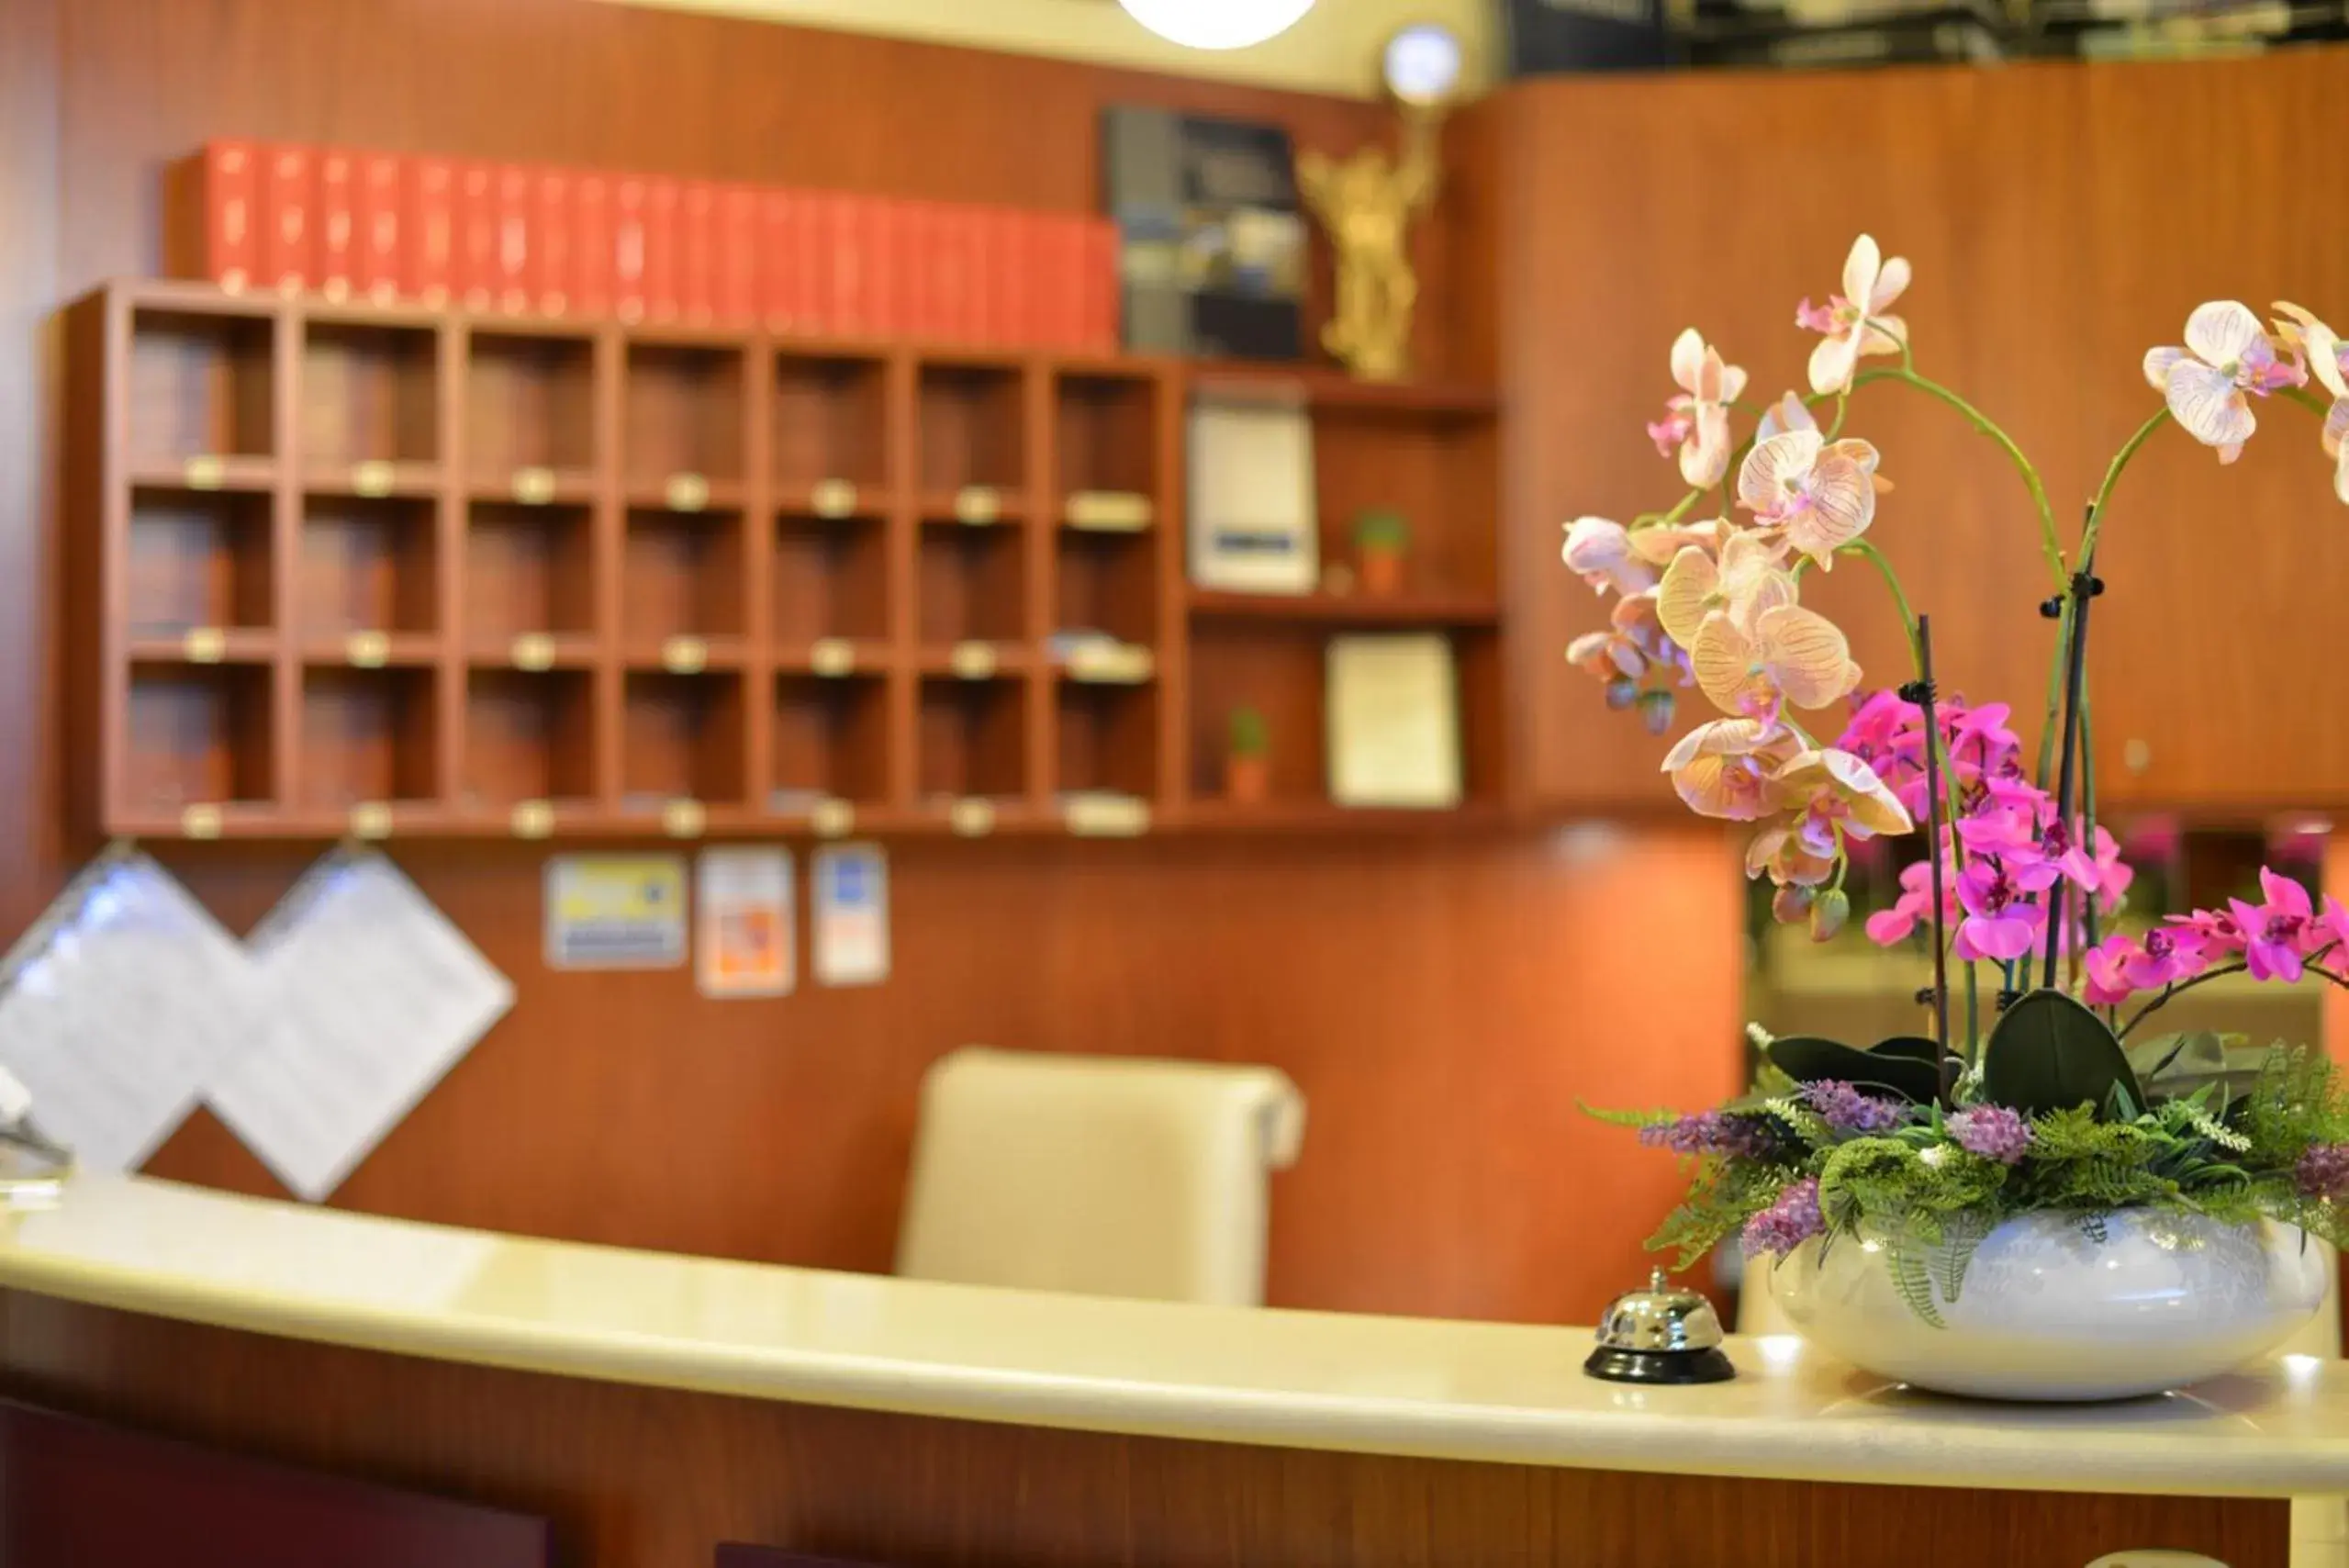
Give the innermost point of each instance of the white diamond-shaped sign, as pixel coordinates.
(118, 1006)
(373, 994)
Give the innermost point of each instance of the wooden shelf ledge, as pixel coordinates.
(1464, 610)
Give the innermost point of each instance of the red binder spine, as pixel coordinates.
(696, 250)
(553, 259)
(375, 268)
(1007, 286)
(846, 309)
(514, 264)
(661, 299)
(812, 240)
(737, 302)
(221, 211)
(779, 262)
(475, 260)
(286, 258)
(591, 245)
(1103, 294)
(429, 234)
(955, 272)
(336, 214)
(631, 201)
(886, 263)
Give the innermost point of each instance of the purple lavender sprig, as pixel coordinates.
(1788, 1223)
(1714, 1132)
(1846, 1110)
(1994, 1132)
(2323, 1171)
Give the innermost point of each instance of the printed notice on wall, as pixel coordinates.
(742, 915)
(119, 1004)
(615, 912)
(373, 995)
(851, 914)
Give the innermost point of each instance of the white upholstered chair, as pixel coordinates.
(1104, 1175)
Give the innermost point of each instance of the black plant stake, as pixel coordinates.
(2085, 587)
(1920, 691)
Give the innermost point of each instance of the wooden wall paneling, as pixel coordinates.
(1039, 543)
(1926, 161)
(606, 560)
(868, 1487)
(452, 541)
(2209, 647)
(1414, 990)
(902, 459)
(1170, 519)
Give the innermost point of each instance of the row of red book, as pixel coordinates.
(573, 242)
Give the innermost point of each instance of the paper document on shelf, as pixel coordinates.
(851, 908)
(374, 995)
(119, 1004)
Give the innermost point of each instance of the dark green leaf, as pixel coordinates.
(2049, 1053)
(1806, 1058)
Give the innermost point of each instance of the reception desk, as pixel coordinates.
(652, 1406)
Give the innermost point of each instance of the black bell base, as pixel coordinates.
(1660, 1367)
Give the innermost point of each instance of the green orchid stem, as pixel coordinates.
(1861, 549)
(2049, 544)
(2179, 988)
(2089, 533)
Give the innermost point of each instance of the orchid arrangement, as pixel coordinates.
(2038, 1098)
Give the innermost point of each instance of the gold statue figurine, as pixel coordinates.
(1367, 202)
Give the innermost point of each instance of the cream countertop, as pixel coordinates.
(1469, 1391)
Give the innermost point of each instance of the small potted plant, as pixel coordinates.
(1382, 535)
(1247, 758)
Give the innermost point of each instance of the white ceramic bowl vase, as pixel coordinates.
(2047, 1312)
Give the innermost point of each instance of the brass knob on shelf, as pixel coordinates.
(1661, 1335)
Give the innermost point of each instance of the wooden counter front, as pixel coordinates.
(652, 1407)
(638, 1477)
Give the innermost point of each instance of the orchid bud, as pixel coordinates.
(1829, 911)
(1790, 903)
(1622, 691)
(1656, 711)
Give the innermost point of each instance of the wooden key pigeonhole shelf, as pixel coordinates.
(346, 568)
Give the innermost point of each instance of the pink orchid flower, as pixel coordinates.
(1981, 734)
(1790, 653)
(1746, 581)
(1856, 321)
(1599, 550)
(2095, 868)
(1659, 542)
(2213, 931)
(1727, 767)
(1697, 420)
(1819, 494)
(2274, 932)
(1842, 797)
(2328, 357)
(1915, 905)
(2169, 954)
(2000, 923)
(2227, 355)
(1781, 853)
(2330, 931)
(2002, 831)
(1789, 413)
(2107, 967)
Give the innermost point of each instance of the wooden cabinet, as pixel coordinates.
(380, 570)
(2060, 221)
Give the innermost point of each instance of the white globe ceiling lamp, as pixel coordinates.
(1217, 24)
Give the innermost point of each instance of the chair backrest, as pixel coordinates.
(1110, 1176)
